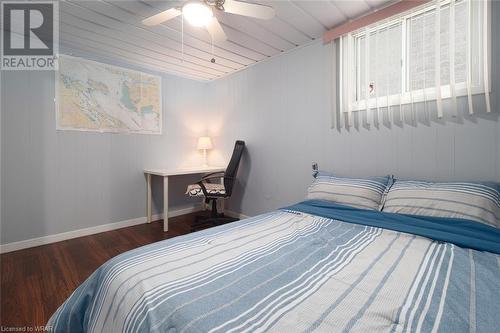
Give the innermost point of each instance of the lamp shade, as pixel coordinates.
(204, 142)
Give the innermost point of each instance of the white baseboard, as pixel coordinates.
(24, 244)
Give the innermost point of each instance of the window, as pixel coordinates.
(394, 62)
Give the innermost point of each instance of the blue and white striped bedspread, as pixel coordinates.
(290, 272)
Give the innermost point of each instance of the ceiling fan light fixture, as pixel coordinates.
(197, 13)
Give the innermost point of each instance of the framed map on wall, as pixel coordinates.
(97, 97)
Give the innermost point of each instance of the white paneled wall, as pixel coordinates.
(281, 108)
(58, 181)
(54, 182)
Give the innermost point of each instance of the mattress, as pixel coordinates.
(315, 266)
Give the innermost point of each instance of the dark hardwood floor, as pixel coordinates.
(35, 281)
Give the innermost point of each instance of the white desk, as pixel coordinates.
(165, 173)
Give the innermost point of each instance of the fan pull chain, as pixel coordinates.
(212, 41)
(182, 38)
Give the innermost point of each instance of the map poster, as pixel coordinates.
(92, 96)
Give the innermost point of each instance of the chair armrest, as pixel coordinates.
(214, 177)
(202, 184)
(203, 188)
(218, 174)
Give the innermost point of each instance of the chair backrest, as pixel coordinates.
(232, 168)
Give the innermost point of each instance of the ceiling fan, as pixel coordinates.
(200, 13)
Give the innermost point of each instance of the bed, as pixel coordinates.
(314, 266)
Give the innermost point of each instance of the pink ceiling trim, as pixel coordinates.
(376, 16)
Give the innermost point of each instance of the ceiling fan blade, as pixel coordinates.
(249, 9)
(215, 30)
(162, 17)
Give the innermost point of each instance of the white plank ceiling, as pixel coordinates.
(112, 30)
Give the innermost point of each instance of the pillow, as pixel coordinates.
(364, 193)
(472, 201)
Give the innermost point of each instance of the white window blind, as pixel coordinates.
(435, 52)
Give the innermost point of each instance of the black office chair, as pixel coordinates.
(213, 191)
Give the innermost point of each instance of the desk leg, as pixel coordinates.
(148, 201)
(165, 204)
